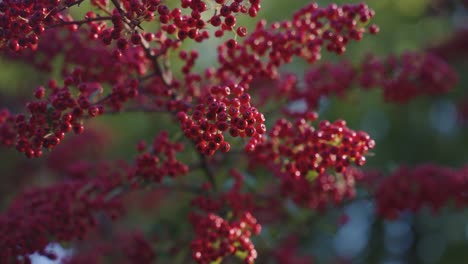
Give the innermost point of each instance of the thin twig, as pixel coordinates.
(79, 22)
(208, 170)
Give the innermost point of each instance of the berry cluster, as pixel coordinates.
(409, 189)
(301, 148)
(407, 76)
(314, 164)
(50, 119)
(63, 212)
(325, 80)
(67, 210)
(311, 27)
(24, 21)
(227, 108)
(76, 155)
(402, 78)
(218, 237)
(160, 160)
(193, 25)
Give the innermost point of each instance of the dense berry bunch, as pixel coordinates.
(218, 238)
(409, 189)
(314, 163)
(63, 108)
(267, 47)
(326, 80)
(221, 236)
(67, 210)
(226, 109)
(193, 26)
(62, 212)
(404, 77)
(24, 21)
(76, 156)
(50, 119)
(300, 148)
(401, 78)
(160, 160)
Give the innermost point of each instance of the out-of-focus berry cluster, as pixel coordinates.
(409, 189)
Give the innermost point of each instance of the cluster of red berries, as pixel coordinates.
(75, 156)
(22, 22)
(218, 237)
(322, 190)
(63, 211)
(408, 75)
(325, 80)
(409, 189)
(310, 28)
(49, 120)
(300, 148)
(66, 210)
(193, 25)
(123, 248)
(61, 109)
(160, 161)
(401, 78)
(226, 108)
(134, 12)
(314, 162)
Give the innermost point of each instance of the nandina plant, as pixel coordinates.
(239, 160)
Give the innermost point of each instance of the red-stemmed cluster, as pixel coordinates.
(62, 109)
(67, 210)
(218, 237)
(76, 156)
(24, 21)
(226, 108)
(302, 148)
(409, 189)
(192, 25)
(224, 225)
(402, 78)
(61, 212)
(407, 76)
(314, 164)
(311, 27)
(49, 120)
(325, 80)
(160, 160)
